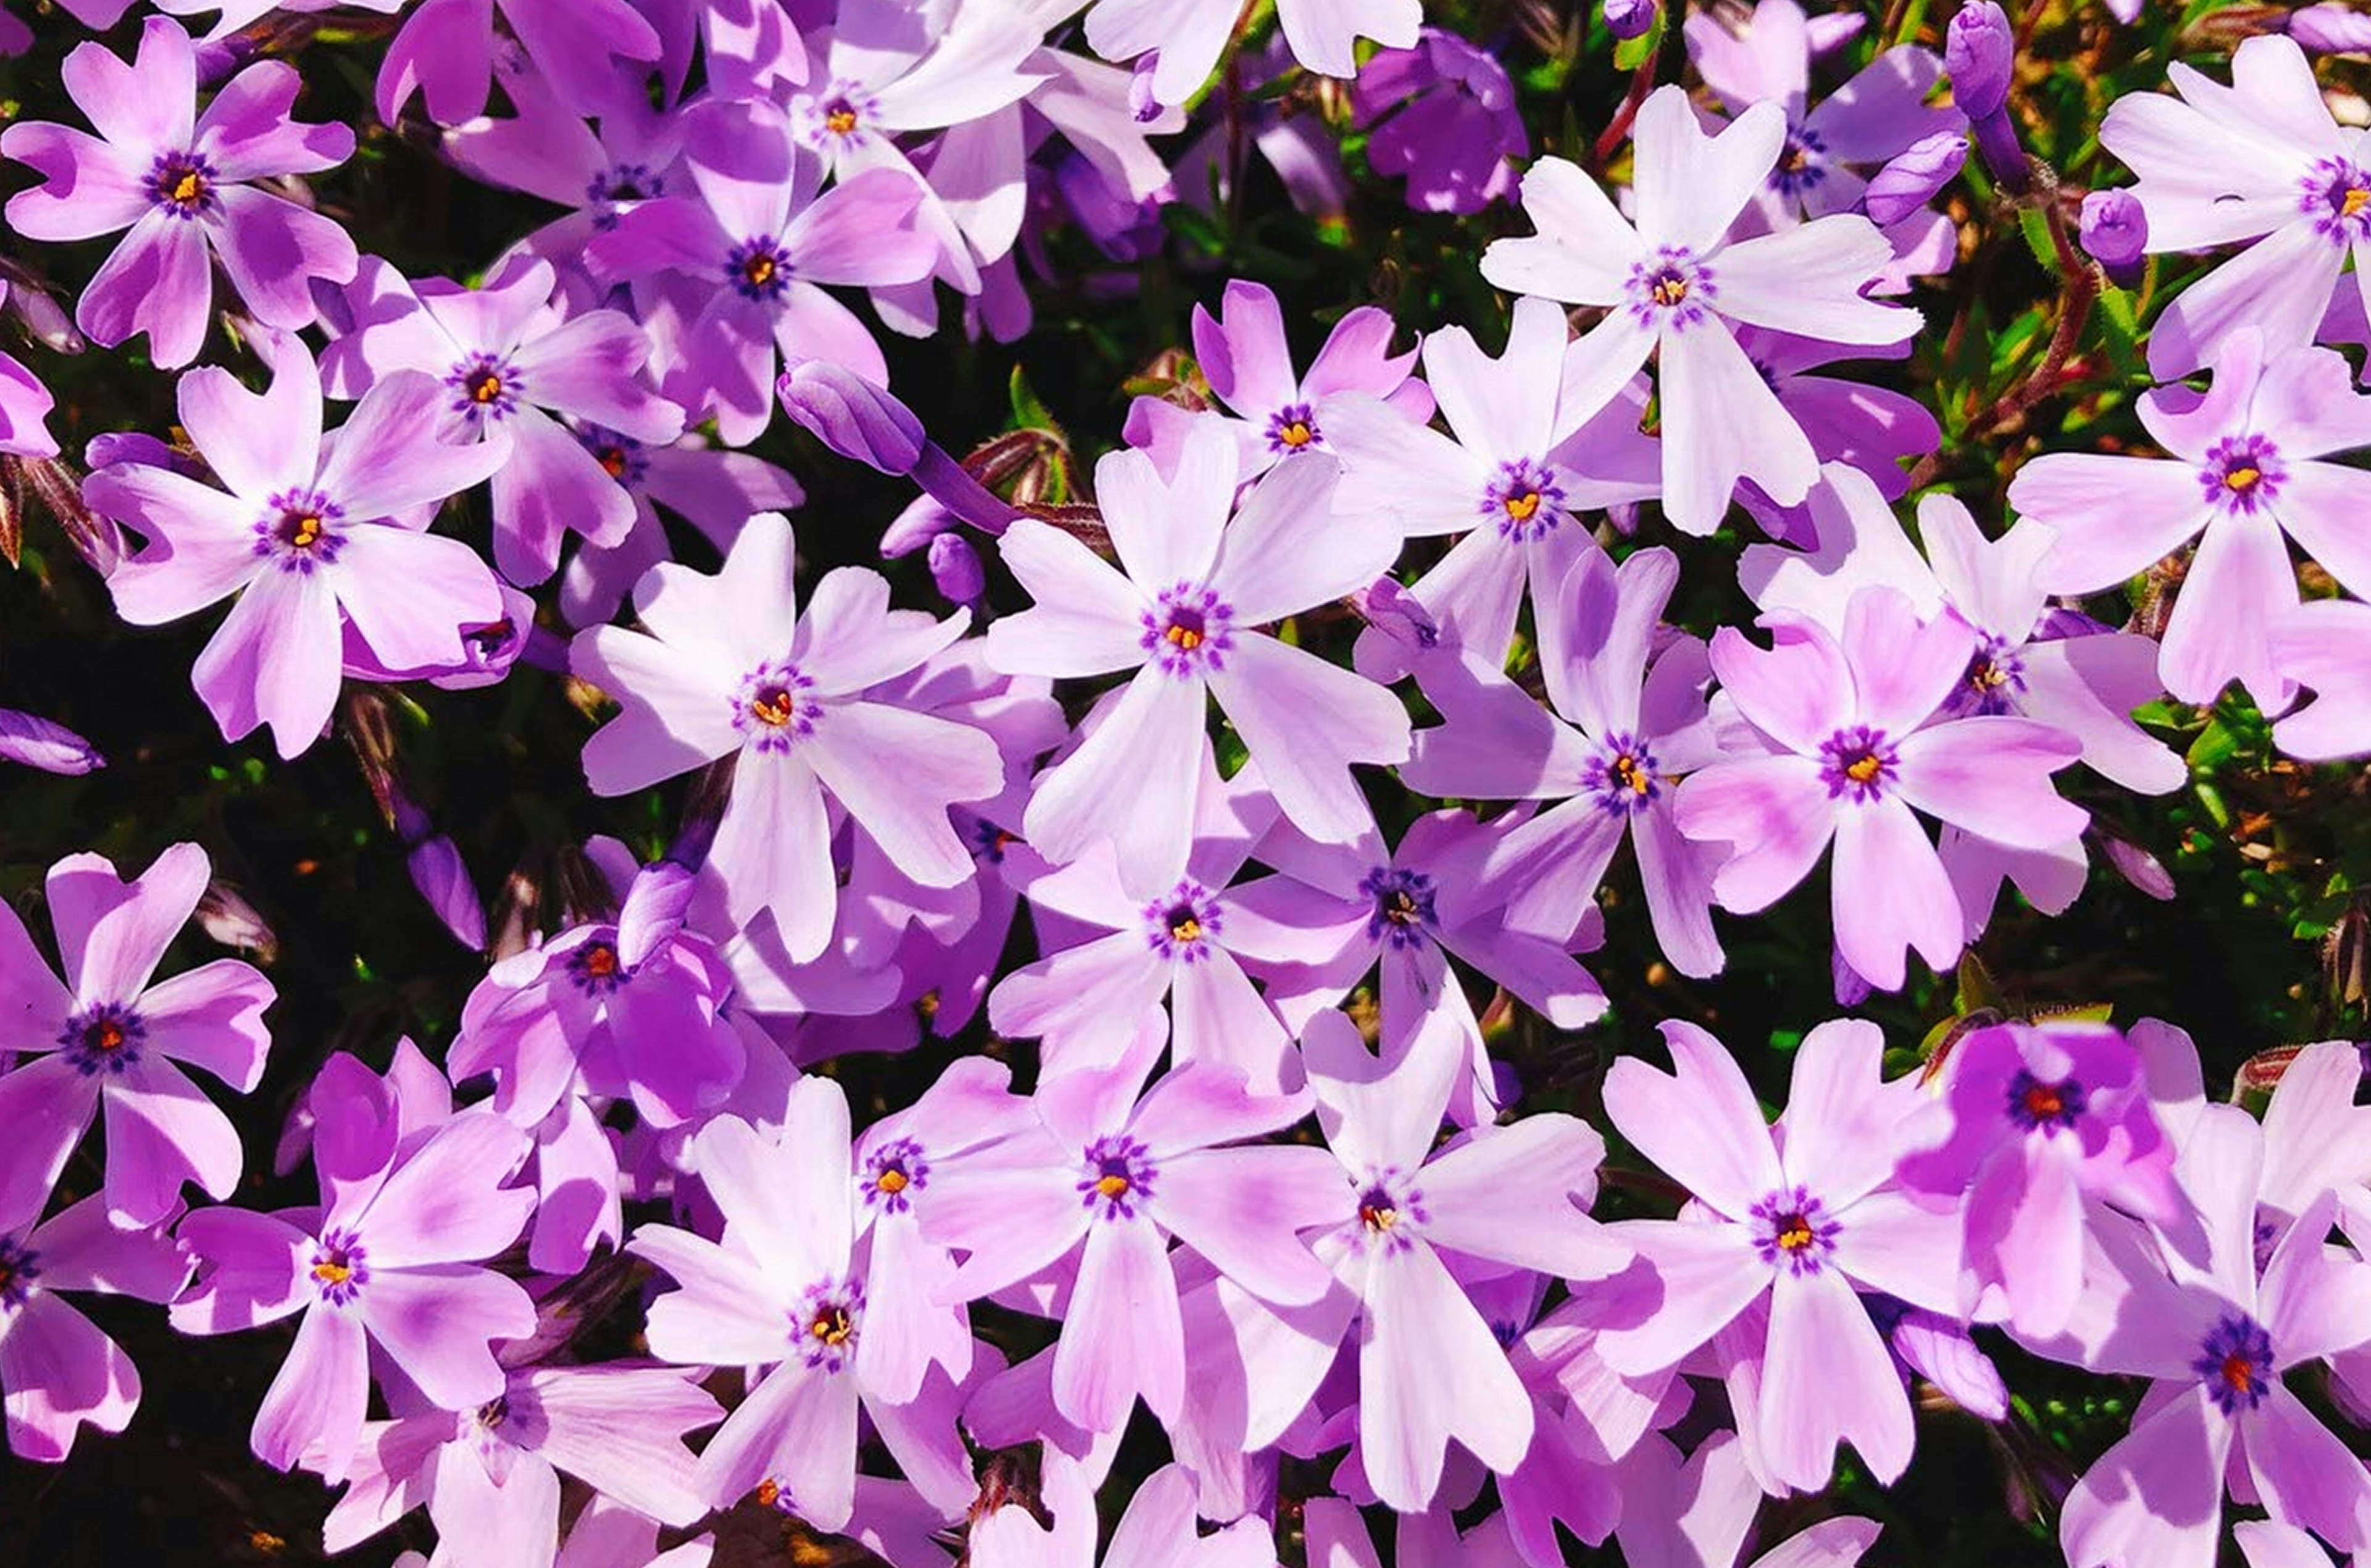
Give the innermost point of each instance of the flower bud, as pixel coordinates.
(438, 872)
(2114, 232)
(1910, 182)
(850, 415)
(1979, 51)
(1630, 18)
(34, 742)
(955, 567)
(2331, 29)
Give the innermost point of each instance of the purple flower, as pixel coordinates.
(30, 741)
(1675, 282)
(2249, 466)
(1861, 741)
(731, 668)
(786, 1291)
(108, 1037)
(2326, 646)
(58, 1370)
(1190, 35)
(2259, 160)
(2115, 234)
(1158, 1530)
(1182, 616)
(509, 359)
(1444, 117)
(1804, 1221)
(2044, 1119)
(446, 51)
(182, 183)
(24, 406)
(1698, 1514)
(1980, 56)
(386, 1262)
(316, 533)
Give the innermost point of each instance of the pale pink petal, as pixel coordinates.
(315, 1407)
(1305, 722)
(1890, 893)
(1124, 1335)
(1430, 1373)
(1991, 776)
(1584, 248)
(1722, 422)
(1829, 1379)
(1700, 1123)
(438, 1325)
(1087, 619)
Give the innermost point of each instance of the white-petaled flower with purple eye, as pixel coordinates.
(1675, 284)
(892, 1174)
(1391, 1210)
(1117, 1177)
(1197, 575)
(1792, 1230)
(1180, 925)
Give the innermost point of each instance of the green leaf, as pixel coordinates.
(1631, 53)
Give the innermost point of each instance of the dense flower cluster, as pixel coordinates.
(1307, 736)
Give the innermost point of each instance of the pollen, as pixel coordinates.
(486, 388)
(1185, 928)
(840, 122)
(191, 189)
(1112, 1186)
(832, 1326)
(893, 1181)
(1632, 775)
(1522, 507)
(106, 1035)
(759, 270)
(2244, 480)
(331, 1272)
(768, 1492)
(305, 532)
(1185, 639)
(1986, 675)
(1795, 1233)
(1670, 289)
(2238, 1372)
(1378, 1218)
(773, 706)
(1297, 435)
(2356, 198)
(1865, 769)
(601, 960)
(613, 461)
(2044, 1104)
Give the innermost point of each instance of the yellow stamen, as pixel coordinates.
(600, 961)
(840, 122)
(108, 1036)
(773, 707)
(2244, 479)
(1113, 1186)
(2239, 1373)
(759, 270)
(1183, 638)
(1522, 507)
(486, 388)
(1185, 928)
(2355, 201)
(1795, 1233)
(1670, 290)
(1864, 769)
(1632, 774)
(1378, 1216)
(330, 1272)
(832, 1326)
(2044, 1102)
(191, 187)
(306, 533)
(1297, 435)
(768, 1492)
(893, 1181)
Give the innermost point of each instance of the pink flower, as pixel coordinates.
(58, 1372)
(1158, 1530)
(108, 1039)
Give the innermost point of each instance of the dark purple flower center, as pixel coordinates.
(1672, 290)
(775, 706)
(1792, 1230)
(1188, 632)
(1523, 500)
(2235, 1361)
(1292, 429)
(1403, 906)
(988, 842)
(621, 183)
(838, 114)
(1117, 1173)
(300, 530)
(485, 387)
(182, 184)
(2337, 196)
(20, 1267)
(596, 969)
(103, 1038)
(1995, 678)
(1624, 776)
(892, 1172)
(1182, 924)
(2037, 1106)
(826, 1320)
(1803, 165)
(340, 1267)
(2241, 473)
(1391, 1211)
(759, 269)
(1858, 762)
(621, 457)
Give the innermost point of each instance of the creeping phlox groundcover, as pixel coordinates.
(1186, 783)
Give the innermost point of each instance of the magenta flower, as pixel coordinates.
(731, 667)
(58, 1371)
(2261, 159)
(1278, 412)
(509, 359)
(2042, 1121)
(2220, 1341)
(387, 1263)
(317, 531)
(749, 251)
(108, 1039)
(24, 406)
(2248, 467)
(1676, 283)
(1195, 585)
(1188, 36)
(182, 182)
(1443, 116)
(1158, 1530)
(1861, 741)
(1108, 1180)
(784, 1291)
(1698, 1514)
(1527, 455)
(1802, 1217)
(1610, 748)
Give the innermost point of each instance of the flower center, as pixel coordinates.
(1403, 906)
(1792, 1230)
(299, 530)
(620, 458)
(1858, 762)
(892, 1172)
(1117, 1174)
(2241, 474)
(338, 1268)
(828, 1318)
(484, 387)
(1189, 630)
(621, 183)
(1291, 429)
(19, 1270)
(775, 707)
(1623, 775)
(2038, 1106)
(759, 269)
(1179, 926)
(1524, 500)
(2235, 1361)
(840, 120)
(182, 184)
(1670, 290)
(1803, 165)
(2337, 196)
(1995, 679)
(1390, 1212)
(104, 1038)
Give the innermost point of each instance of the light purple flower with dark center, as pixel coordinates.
(1611, 746)
(1861, 741)
(182, 182)
(712, 488)
(1180, 612)
(1279, 413)
(748, 248)
(1675, 282)
(387, 1262)
(786, 1290)
(2220, 1337)
(731, 667)
(108, 1039)
(317, 531)
(2043, 1120)
(2261, 160)
(58, 1371)
(1107, 1178)
(510, 360)
(1442, 115)
(1803, 1216)
(2249, 466)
